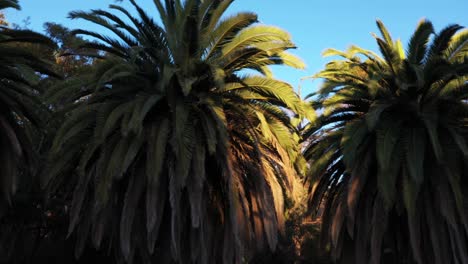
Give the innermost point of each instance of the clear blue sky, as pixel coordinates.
(314, 24)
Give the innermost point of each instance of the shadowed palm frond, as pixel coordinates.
(20, 109)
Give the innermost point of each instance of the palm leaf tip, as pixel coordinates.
(10, 4)
(418, 42)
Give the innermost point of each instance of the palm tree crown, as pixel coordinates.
(19, 106)
(389, 153)
(179, 153)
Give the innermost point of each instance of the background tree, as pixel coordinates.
(68, 61)
(389, 151)
(176, 153)
(3, 21)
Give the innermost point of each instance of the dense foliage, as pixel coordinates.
(389, 152)
(168, 140)
(19, 106)
(175, 154)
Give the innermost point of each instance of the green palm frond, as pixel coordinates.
(228, 28)
(252, 35)
(458, 47)
(418, 42)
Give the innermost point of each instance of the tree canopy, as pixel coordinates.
(388, 154)
(173, 141)
(168, 139)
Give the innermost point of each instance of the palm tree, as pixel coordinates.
(175, 149)
(389, 152)
(22, 117)
(20, 109)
